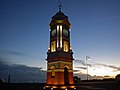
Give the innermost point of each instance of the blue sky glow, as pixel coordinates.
(95, 30)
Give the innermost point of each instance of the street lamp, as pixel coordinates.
(87, 58)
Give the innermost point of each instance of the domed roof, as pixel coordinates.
(59, 16)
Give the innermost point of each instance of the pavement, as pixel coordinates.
(92, 85)
(98, 85)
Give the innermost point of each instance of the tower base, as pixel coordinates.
(59, 87)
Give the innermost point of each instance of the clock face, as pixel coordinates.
(65, 32)
(53, 32)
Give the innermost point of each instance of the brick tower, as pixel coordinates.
(60, 55)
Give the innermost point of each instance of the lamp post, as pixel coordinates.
(87, 58)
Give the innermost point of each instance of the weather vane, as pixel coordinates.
(60, 5)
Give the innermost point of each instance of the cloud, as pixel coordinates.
(81, 67)
(7, 52)
(3, 61)
(99, 64)
(107, 76)
(109, 66)
(16, 66)
(21, 73)
(76, 70)
(80, 61)
(7, 56)
(83, 76)
(92, 64)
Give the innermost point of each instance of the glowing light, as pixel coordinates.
(60, 36)
(74, 88)
(53, 70)
(65, 46)
(54, 86)
(57, 36)
(43, 87)
(49, 48)
(59, 21)
(70, 48)
(63, 87)
(47, 86)
(53, 46)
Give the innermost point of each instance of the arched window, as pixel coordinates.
(65, 46)
(66, 76)
(52, 71)
(53, 46)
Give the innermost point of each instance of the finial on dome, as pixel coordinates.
(60, 6)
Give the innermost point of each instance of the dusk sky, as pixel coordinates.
(95, 32)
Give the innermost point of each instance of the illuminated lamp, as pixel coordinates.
(74, 88)
(43, 87)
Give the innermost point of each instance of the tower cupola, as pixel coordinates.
(60, 18)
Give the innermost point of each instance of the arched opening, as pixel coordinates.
(66, 76)
(52, 71)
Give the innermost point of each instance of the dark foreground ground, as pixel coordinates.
(99, 85)
(91, 85)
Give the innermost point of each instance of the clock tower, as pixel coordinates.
(60, 55)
